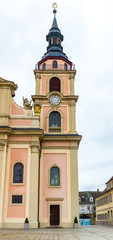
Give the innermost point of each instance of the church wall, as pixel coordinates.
(45, 110)
(17, 211)
(60, 158)
(57, 144)
(17, 122)
(65, 84)
(44, 84)
(15, 138)
(16, 110)
(49, 64)
(63, 109)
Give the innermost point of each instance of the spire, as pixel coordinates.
(54, 25)
(54, 39)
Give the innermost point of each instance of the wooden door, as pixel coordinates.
(54, 214)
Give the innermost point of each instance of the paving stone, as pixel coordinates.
(84, 233)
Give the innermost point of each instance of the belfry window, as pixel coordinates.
(55, 122)
(54, 64)
(59, 42)
(44, 66)
(54, 40)
(54, 84)
(65, 66)
(54, 176)
(54, 119)
(50, 41)
(18, 173)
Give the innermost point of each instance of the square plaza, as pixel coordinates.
(84, 233)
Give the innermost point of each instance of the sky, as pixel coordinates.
(87, 26)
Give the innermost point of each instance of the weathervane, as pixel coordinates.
(54, 6)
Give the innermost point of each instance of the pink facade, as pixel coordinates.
(50, 61)
(15, 138)
(17, 155)
(16, 110)
(17, 122)
(65, 84)
(58, 144)
(60, 160)
(44, 84)
(64, 112)
(46, 109)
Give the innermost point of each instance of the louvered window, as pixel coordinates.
(54, 40)
(55, 84)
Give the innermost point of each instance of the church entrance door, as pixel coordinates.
(54, 215)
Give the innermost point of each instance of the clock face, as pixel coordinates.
(54, 100)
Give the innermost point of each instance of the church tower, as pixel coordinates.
(38, 148)
(54, 95)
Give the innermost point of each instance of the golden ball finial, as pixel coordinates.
(54, 5)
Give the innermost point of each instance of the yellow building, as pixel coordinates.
(104, 205)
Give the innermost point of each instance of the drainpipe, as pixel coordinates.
(39, 182)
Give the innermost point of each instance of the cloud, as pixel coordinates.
(88, 37)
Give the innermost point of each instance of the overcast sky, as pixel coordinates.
(87, 26)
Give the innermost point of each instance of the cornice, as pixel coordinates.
(55, 72)
(22, 131)
(63, 137)
(6, 83)
(45, 97)
(54, 199)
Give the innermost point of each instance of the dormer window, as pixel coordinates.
(54, 40)
(91, 199)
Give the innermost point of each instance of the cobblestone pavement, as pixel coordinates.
(84, 233)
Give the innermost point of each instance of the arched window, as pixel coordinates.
(44, 66)
(59, 42)
(54, 40)
(54, 176)
(50, 41)
(55, 120)
(54, 84)
(65, 66)
(54, 64)
(18, 173)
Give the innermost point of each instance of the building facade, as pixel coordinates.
(104, 205)
(39, 145)
(87, 208)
